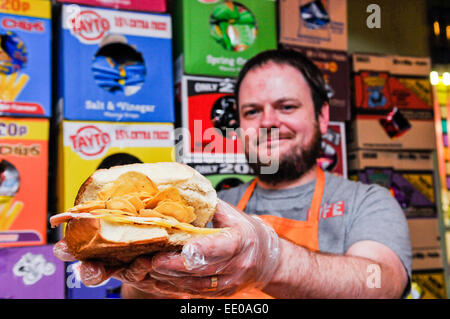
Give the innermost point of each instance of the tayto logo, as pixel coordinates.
(89, 25)
(90, 140)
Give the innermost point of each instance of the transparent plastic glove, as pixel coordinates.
(136, 274)
(243, 257)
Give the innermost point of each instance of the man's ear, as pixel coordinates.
(324, 118)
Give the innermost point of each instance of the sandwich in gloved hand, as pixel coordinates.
(131, 210)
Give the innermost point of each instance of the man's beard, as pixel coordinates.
(292, 165)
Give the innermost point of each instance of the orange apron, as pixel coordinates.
(302, 233)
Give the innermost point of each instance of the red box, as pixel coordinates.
(138, 5)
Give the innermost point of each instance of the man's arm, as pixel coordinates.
(305, 274)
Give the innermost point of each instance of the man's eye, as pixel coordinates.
(250, 112)
(288, 107)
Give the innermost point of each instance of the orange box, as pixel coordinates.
(23, 181)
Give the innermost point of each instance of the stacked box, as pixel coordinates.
(25, 58)
(31, 273)
(123, 65)
(138, 5)
(319, 24)
(216, 38)
(88, 146)
(392, 143)
(318, 29)
(23, 181)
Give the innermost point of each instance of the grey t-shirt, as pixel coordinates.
(350, 212)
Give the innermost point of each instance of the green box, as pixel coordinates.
(216, 37)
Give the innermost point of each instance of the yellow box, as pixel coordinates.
(30, 8)
(88, 146)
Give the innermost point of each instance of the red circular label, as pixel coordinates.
(90, 140)
(89, 25)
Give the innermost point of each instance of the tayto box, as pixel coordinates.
(25, 58)
(23, 181)
(428, 285)
(224, 175)
(425, 243)
(109, 289)
(334, 153)
(382, 82)
(336, 71)
(123, 68)
(369, 132)
(413, 190)
(399, 160)
(216, 37)
(31, 273)
(208, 115)
(314, 23)
(138, 5)
(88, 146)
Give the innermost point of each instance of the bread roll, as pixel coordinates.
(118, 240)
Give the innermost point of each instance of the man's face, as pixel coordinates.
(276, 97)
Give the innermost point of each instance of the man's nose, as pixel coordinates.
(270, 118)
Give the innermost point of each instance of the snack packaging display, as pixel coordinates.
(377, 132)
(124, 65)
(138, 5)
(334, 154)
(23, 181)
(25, 58)
(314, 23)
(335, 68)
(428, 284)
(31, 273)
(217, 37)
(414, 190)
(131, 210)
(224, 175)
(208, 113)
(87, 146)
(109, 289)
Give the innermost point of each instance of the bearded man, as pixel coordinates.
(295, 231)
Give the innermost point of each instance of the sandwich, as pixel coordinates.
(126, 211)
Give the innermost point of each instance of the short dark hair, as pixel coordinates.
(296, 59)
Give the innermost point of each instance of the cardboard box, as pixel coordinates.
(31, 273)
(334, 153)
(382, 82)
(224, 175)
(109, 289)
(319, 24)
(425, 242)
(336, 70)
(23, 181)
(216, 38)
(138, 5)
(368, 133)
(208, 116)
(25, 58)
(428, 285)
(87, 146)
(414, 190)
(394, 64)
(371, 62)
(123, 64)
(398, 160)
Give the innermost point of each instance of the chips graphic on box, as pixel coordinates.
(118, 67)
(233, 26)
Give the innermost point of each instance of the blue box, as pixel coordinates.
(25, 58)
(115, 65)
(109, 289)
